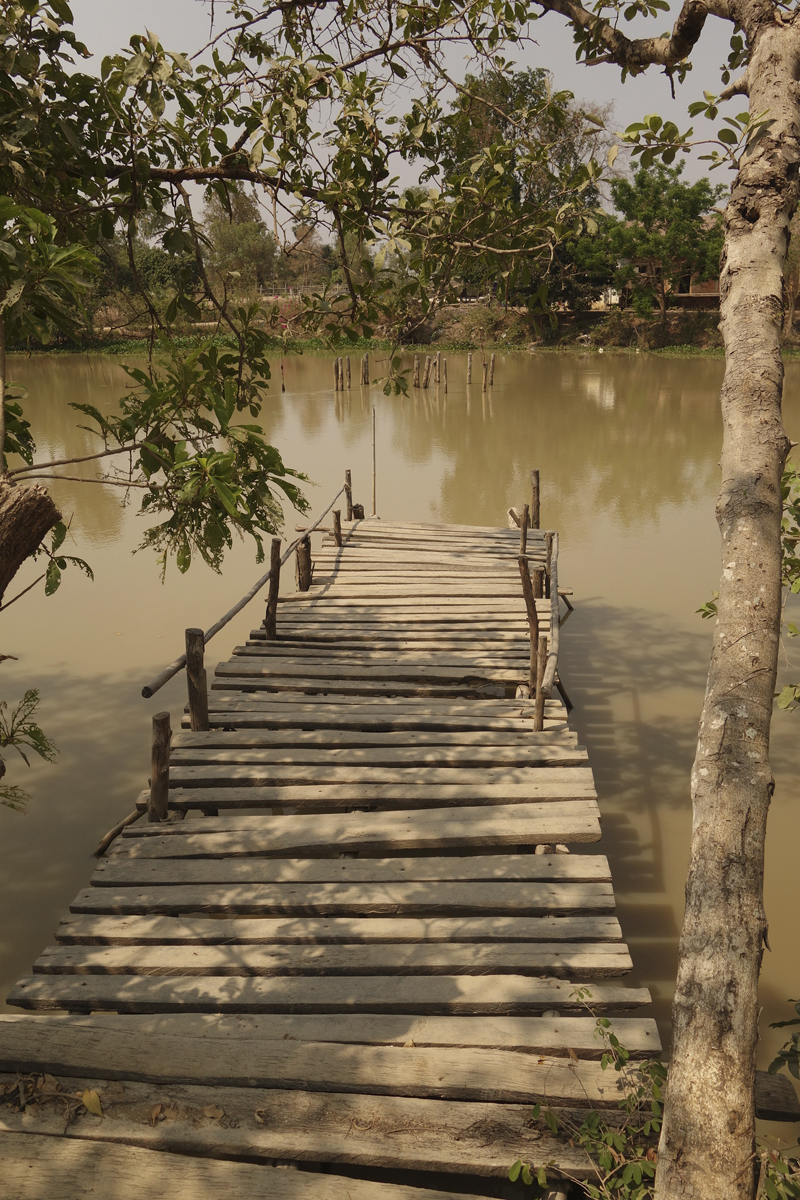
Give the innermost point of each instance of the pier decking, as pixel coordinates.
(359, 953)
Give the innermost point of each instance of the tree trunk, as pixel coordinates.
(707, 1141)
(26, 515)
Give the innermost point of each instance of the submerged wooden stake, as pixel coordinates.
(348, 491)
(347, 371)
(304, 564)
(337, 526)
(485, 373)
(426, 374)
(159, 768)
(535, 517)
(196, 680)
(437, 372)
(416, 370)
(365, 369)
(270, 620)
(491, 371)
(444, 374)
(469, 367)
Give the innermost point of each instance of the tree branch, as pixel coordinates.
(637, 53)
(65, 462)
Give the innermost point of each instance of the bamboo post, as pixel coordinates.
(469, 367)
(444, 374)
(535, 517)
(159, 768)
(426, 374)
(533, 618)
(271, 618)
(337, 526)
(485, 373)
(416, 370)
(523, 529)
(491, 371)
(541, 662)
(347, 371)
(437, 371)
(348, 491)
(196, 680)
(374, 468)
(303, 553)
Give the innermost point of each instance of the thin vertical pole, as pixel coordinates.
(426, 374)
(469, 367)
(337, 526)
(271, 617)
(485, 373)
(196, 680)
(444, 374)
(535, 517)
(348, 491)
(523, 530)
(374, 468)
(347, 371)
(416, 370)
(491, 371)
(533, 617)
(336, 374)
(159, 768)
(541, 663)
(437, 370)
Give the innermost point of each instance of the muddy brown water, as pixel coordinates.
(628, 450)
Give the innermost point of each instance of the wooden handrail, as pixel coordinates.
(153, 686)
(552, 657)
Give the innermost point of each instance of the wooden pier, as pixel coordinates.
(359, 953)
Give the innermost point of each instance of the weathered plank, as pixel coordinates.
(297, 683)
(324, 668)
(560, 960)
(517, 737)
(123, 870)
(386, 899)
(444, 1073)
(188, 931)
(561, 751)
(38, 1167)
(423, 829)
(435, 994)
(527, 1035)
(266, 775)
(254, 717)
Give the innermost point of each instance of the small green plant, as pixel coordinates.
(19, 729)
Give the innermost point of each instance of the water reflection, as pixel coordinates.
(628, 448)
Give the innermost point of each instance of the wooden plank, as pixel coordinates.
(356, 687)
(527, 1035)
(254, 717)
(387, 796)
(559, 960)
(455, 632)
(559, 753)
(330, 899)
(444, 1073)
(230, 775)
(322, 668)
(288, 931)
(421, 829)
(388, 1132)
(123, 870)
(232, 739)
(38, 1167)
(407, 650)
(435, 994)
(309, 657)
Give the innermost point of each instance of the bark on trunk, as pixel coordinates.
(707, 1142)
(26, 515)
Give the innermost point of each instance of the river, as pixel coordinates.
(628, 450)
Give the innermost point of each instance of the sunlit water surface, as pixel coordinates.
(628, 450)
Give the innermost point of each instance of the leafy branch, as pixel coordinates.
(19, 730)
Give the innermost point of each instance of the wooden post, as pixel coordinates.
(538, 583)
(159, 768)
(491, 371)
(533, 618)
(523, 530)
(535, 517)
(416, 370)
(271, 618)
(426, 374)
(336, 374)
(196, 680)
(437, 370)
(469, 367)
(444, 374)
(541, 663)
(374, 468)
(365, 370)
(548, 545)
(337, 526)
(348, 491)
(347, 371)
(304, 564)
(485, 373)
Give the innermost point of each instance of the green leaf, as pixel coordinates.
(52, 579)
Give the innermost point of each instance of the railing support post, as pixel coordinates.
(159, 768)
(523, 529)
(348, 491)
(337, 526)
(535, 517)
(541, 662)
(538, 583)
(196, 680)
(533, 618)
(304, 565)
(271, 618)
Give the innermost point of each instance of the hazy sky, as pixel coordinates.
(106, 25)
